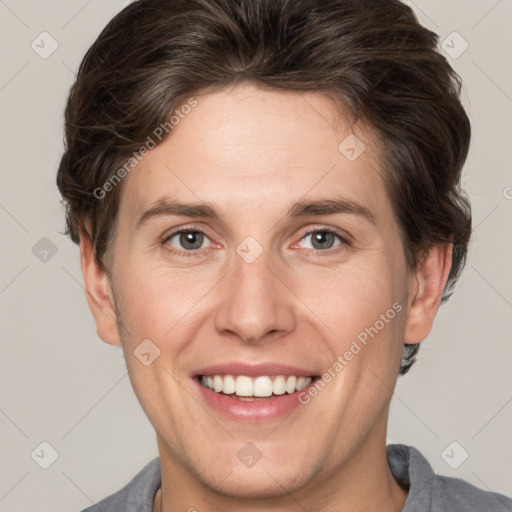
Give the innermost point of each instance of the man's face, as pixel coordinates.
(265, 286)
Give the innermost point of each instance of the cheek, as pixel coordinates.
(350, 299)
(154, 301)
(157, 307)
(361, 313)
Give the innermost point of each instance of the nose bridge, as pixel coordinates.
(254, 302)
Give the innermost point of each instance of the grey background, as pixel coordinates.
(60, 384)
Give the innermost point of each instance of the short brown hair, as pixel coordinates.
(373, 55)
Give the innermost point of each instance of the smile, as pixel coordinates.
(253, 392)
(243, 386)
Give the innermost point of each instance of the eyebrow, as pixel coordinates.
(166, 207)
(331, 207)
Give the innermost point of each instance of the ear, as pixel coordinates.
(426, 288)
(98, 291)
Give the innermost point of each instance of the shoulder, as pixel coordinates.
(456, 495)
(136, 496)
(437, 493)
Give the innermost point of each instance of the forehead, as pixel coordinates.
(247, 147)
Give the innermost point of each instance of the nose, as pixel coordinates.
(255, 303)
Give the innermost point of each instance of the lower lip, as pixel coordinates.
(274, 407)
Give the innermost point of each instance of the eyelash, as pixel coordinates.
(344, 241)
(184, 254)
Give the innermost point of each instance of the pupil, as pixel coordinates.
(191, 240)
(322, 240)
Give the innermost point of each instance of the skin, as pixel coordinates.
(251, 154)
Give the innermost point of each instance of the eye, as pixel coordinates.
(188, 240)
(321, 239)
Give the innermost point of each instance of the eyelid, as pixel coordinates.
(182, 252)
(186, 229)
(343, 235)
(345, 239)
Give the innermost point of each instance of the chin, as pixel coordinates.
(266, 479)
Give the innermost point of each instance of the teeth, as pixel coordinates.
(228, 386)
(218, 383)
(291, 384)
(302, 382)
(279, 386)
(263, 386)
(243, 386)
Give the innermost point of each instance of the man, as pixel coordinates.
(266, 196)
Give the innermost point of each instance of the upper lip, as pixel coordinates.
(253, 370)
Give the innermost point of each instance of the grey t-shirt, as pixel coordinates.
(427, 492)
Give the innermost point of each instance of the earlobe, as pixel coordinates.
(426, 290)
(98, 292)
